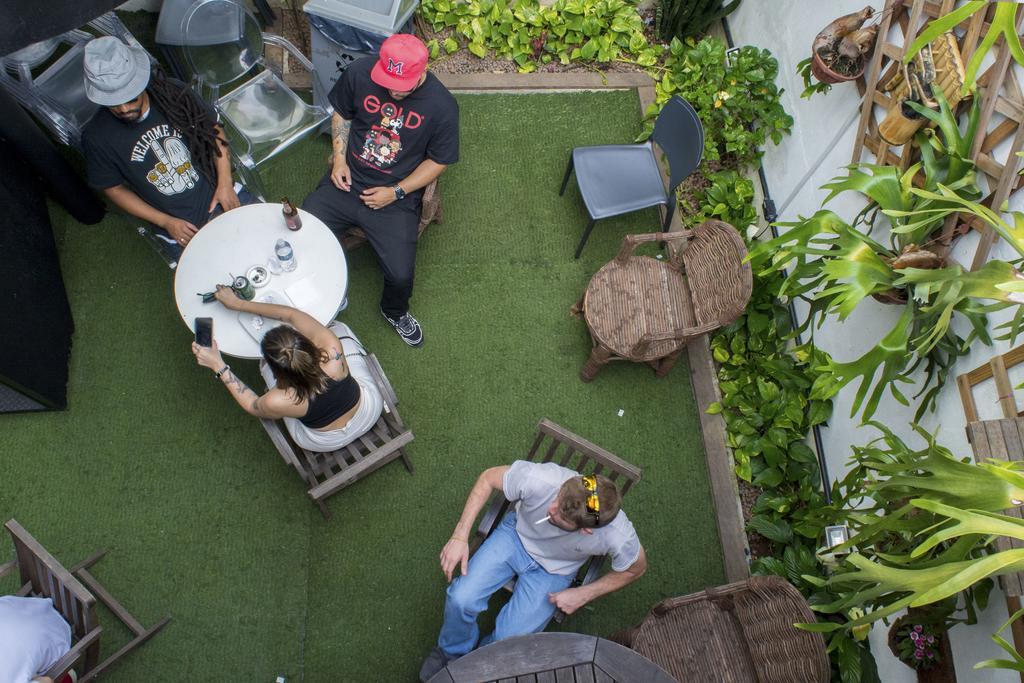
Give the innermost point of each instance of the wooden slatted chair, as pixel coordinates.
(739, 632)
(557, 444)
(42, 576)
(430, 212)
(328, 473)
(646, 310)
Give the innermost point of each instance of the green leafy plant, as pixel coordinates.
(738, 102)
(921, 521)
(528, 34)
(1002, 25)
(1016, 661)
(729, 199)
(768, 416)
(835, 265)
(685, 18)
(812, 86)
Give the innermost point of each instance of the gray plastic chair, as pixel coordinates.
(55, 91)
(618, 179)
(262, 117)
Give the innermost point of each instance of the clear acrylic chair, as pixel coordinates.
(261, 116)
(54, 90)
(618, 179)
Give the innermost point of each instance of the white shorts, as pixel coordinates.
(371, 402)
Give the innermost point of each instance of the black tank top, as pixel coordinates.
(340, 396)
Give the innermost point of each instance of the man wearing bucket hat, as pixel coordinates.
(154, 149)
(395, 129)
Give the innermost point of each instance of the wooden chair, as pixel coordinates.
(430, 212)
(733, 634)
(42, 576)
(645, 310)
(328, 473)
(557, 444)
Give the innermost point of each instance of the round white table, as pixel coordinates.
(245, 237)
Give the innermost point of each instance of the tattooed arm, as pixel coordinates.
(340, 174)
(271, 405)
(251, 402)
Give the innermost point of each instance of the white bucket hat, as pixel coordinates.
(114, 72)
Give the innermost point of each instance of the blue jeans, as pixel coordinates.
(175, 249)
(501, 557)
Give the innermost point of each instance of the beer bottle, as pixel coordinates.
(291, 215)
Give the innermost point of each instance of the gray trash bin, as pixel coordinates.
(345, 30)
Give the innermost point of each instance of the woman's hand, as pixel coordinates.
(208, 356)
(227, 296)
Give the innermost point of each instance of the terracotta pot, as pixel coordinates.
(944, 671)
(827, 75)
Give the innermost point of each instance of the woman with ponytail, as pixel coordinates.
(318, 379)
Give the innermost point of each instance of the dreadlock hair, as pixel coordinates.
(295, 362)
(188, 114)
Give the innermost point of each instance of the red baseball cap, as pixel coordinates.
(403, 59)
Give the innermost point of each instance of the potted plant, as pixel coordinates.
(834, 265)
(841, 50)
(921, 641)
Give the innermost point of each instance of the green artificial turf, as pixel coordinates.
(204, 521)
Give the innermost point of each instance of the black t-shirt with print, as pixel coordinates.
(390, 138)
(151, 158)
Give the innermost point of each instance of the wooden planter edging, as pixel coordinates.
(724, 490)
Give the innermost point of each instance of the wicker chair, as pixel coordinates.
(645, 310)
(430, 212)
(739, 633)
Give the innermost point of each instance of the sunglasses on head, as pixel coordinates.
(593, 502)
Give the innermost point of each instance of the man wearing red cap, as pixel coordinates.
(395, 129)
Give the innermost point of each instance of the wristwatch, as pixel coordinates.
(399, 192)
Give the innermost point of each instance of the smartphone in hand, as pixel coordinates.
(204, 331)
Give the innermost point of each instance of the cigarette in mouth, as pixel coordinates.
(542, 520)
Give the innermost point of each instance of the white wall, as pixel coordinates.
(820, 146)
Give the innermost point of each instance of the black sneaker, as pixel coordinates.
(434, 662)
(407, 327)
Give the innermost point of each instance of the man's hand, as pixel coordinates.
(225, 196)
(569, 600)
(341, 176)
(454, 554)
(378, 197)
(182, 231)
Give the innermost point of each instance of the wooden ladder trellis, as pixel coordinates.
(997, 86)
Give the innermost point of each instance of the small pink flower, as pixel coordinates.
(918, 628)
(931, 639)
(914, 637)
(918, 654)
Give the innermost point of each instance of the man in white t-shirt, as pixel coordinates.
(560, 519)
(33, 637)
